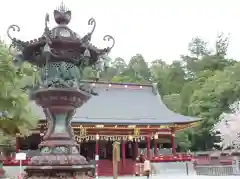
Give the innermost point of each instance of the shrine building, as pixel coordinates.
(132, 114)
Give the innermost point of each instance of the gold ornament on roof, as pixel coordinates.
(136, 132)
(83, 132)
(164, 127)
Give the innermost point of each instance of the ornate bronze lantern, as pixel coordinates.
(60, 55)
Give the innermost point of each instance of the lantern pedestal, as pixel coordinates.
(59, 152)
(2, 171)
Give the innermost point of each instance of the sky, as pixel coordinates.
(157, 29)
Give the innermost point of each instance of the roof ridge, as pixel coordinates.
(139, 118)
(117, 83)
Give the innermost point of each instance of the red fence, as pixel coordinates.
(10, 161)
(172, 158)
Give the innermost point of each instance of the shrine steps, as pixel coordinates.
(128, 168)
(105, 167)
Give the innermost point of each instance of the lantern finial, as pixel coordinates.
(62, 8)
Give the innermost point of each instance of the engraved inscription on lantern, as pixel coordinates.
(73, 99)
(53, 98)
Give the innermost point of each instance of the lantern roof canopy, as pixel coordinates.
(118, 103)
(63, 43)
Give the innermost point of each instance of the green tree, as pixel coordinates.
(189, 88)
(16, 115)
(89, 73)
(172, 79)
(213, 98)
(173, 102)
(221, 45)
(138, 68)
(116, 68)
(198, 47)
(183, 142)
(159, 70)
(123, 79)
(205, 59)
(119, 65)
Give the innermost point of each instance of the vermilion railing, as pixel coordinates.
(171, 158)
(10, 161)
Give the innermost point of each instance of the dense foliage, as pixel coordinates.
(15, 113)
(203, 83)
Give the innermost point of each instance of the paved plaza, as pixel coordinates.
(178, 177)
(13, 172)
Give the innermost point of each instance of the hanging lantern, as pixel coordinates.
(97, 137)
(130, 137)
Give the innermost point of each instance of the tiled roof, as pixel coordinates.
(125, 104)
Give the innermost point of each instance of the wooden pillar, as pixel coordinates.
(173, 144)
(136, 149)
(96, 155)
(96, 148)
(123, 153)
(155, 147)
(148, 147)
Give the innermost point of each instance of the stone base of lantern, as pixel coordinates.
(64, 177)
(53, 165)
(59, 156)
(2, 173)
(51, 171)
